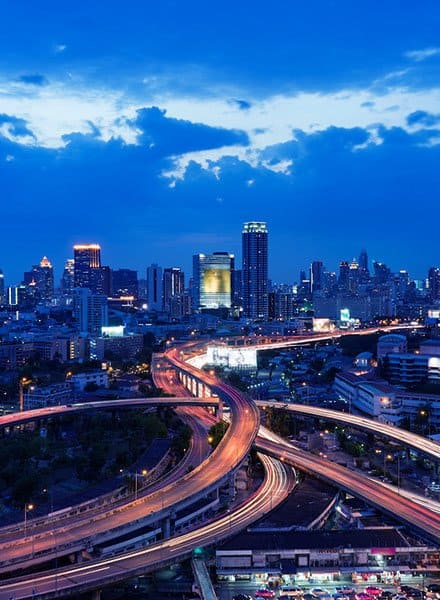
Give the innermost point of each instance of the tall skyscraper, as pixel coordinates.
(87, 267)
(41, 279)
(154, 287)
(363, 260)
(212, 280)
(255, 270)
(173, 284)
(316, 276)
(344, 273)
(434, 283)
(68, 279)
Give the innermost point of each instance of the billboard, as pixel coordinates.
(345, 315)
(322, 325)
(233, 358)
(112, 331)
(215, 285)
(216, 280)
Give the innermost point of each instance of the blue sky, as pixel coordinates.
(156, 129)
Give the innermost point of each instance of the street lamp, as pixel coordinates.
(385, 458)
(23, 381)
(143, 473)
(27, 508)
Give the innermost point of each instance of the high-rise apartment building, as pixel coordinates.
(434, 283)
(90, 311)
(173, 285)
(87, 267)
(317, 276)
(255, 270)
(68, 279)
(212, 280)
(154, 287)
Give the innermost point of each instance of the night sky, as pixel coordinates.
(157, 128)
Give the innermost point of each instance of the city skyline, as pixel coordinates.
(158, 146)
(186, 264)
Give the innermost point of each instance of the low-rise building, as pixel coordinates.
(56, 394)
(298, 556)
(122, 347)
(81, 380)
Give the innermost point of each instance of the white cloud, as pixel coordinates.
(59, 48)
(70, 106)
(423, 54)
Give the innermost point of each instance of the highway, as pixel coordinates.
(234, 447)
(264, 342)
(278, 483)
(383, 498)
(406, 438)
(407, 507)
(19, 418)
(85, 531)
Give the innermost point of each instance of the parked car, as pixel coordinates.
(264, 593)
(372, 590)
(291, 591)
(346, 590)
(363, 596)
(241, 597)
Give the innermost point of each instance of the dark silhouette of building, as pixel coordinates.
(124, 283)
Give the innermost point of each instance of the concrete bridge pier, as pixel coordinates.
(95, 595)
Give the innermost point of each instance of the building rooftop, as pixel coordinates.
(377, 538)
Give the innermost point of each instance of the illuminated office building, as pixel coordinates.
(68, 279)
(212, 280)
(173, 285)
(87, 267)
(255, 270)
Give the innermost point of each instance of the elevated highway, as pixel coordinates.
(406, 438)
(85, 532)
(69, 581)
(20, 418)
(399, 507)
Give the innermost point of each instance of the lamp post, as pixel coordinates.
(23, 381)
(143, 473)
(27, 507)
(385, 458)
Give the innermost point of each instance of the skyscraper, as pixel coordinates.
(173, 284)
(363, 260)
(90, 311)
(41, 279)
(212, 280)
(68, 279)
(87, 267)
(154, 287)
(434, 283)
(255, 270)
(316, 276)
